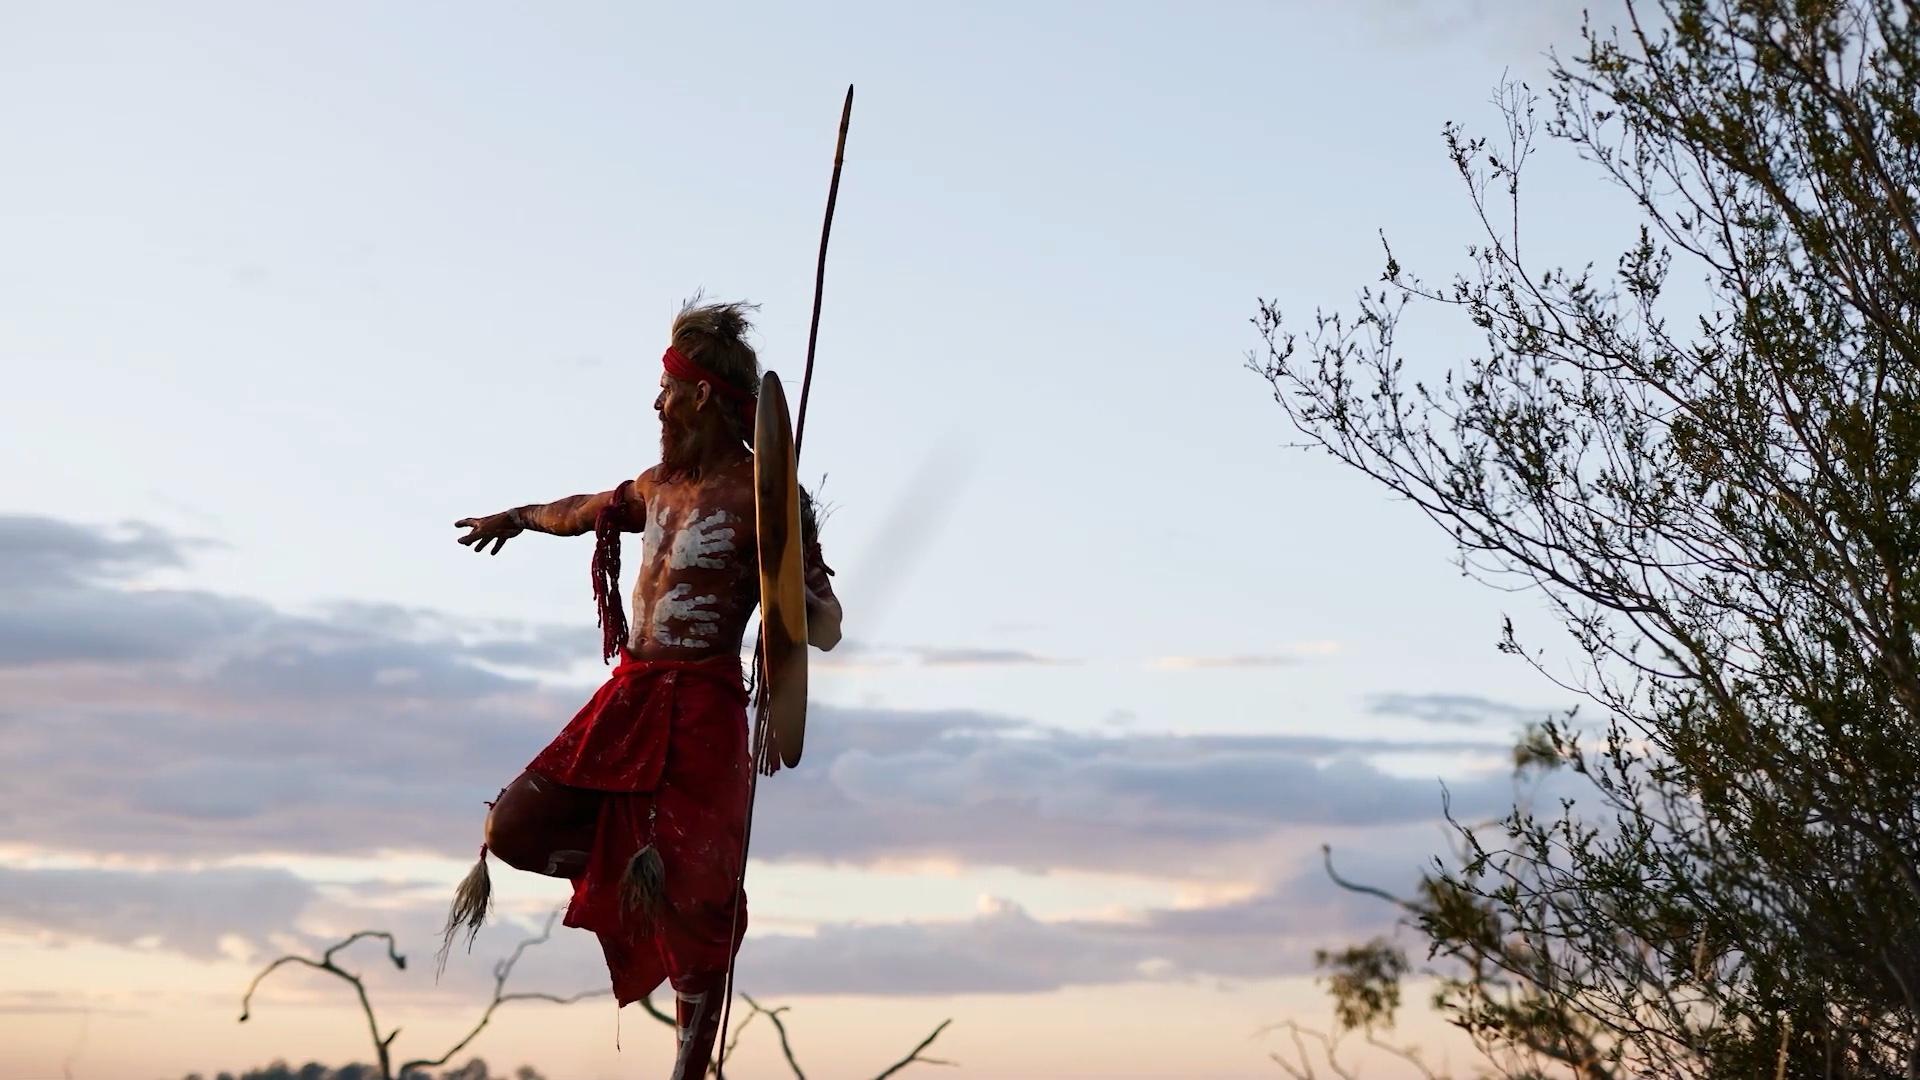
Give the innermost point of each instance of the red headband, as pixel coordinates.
(680, 367)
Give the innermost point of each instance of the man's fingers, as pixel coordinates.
(498, 544)
(465, 523)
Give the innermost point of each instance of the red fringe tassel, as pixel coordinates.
(606, 574)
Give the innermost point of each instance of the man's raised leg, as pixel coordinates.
(543, 827)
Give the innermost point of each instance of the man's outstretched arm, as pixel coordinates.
(571, 516)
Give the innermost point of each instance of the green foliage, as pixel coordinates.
(1721, 510)
(1364, 981)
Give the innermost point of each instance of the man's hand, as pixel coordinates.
(495, 529)
(823, 608)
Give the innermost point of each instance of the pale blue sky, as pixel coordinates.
(310, 282)
(313, 282)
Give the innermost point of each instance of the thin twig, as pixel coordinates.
(501, 971)
(914, 1056)
(1302, 1066)
(1326, 854)
(726, 1052)
(79, 1044)
(381, 1046)
(773, 1015)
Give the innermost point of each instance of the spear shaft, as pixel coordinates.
(820, 273)
(760, 748)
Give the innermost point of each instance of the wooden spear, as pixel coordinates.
(799, 432)
(820, 273)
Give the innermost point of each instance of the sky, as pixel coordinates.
(286, 289)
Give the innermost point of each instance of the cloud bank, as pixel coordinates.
(177, 729)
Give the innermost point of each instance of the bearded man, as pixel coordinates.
(642, 800)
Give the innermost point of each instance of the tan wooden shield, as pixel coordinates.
(783, 596)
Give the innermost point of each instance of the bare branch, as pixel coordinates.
(381, 1045)
(913, 1056)
(773, 1016)
(501, 972)
(1326, 856)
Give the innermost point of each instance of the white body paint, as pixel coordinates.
(694, 613)
(654, 534)
(704, 542)
(679, 618)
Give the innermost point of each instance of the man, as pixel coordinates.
(641, 800)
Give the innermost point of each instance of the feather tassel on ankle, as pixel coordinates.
(471, 902)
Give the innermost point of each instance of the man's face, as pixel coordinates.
(675, 406)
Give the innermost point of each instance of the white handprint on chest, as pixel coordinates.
(679, 618)
(704, 541)
(695, 614)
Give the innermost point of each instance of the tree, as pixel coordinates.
(476, 1069)
(415, 1069)
(1719, 505)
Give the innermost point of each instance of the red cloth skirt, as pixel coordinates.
(666, 742)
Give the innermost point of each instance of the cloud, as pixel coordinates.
(1005, 949)
(507, 644)
(1246, 661)
(205, 914)
(185, 911)
(982, 658)
(1519, 30)
(45, 553)
(57, 600)
(1464, 710)
(253, 914)
(67, 600)
(855, 655)
(227, 729)
(365, 729)
(986, 790)
(181, 723)
(49, 1003)
(1203, 663)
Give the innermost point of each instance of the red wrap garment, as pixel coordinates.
(666, 741)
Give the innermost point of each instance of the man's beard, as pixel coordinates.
(676, 445)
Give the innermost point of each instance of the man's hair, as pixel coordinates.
(715, 337)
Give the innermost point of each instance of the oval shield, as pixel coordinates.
(783, 596)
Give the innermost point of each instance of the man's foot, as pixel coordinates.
(566, 864)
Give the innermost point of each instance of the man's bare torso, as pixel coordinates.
(698, 577)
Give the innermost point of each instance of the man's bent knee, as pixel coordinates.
(542, 827)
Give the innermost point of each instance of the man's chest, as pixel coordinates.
(698, 530)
